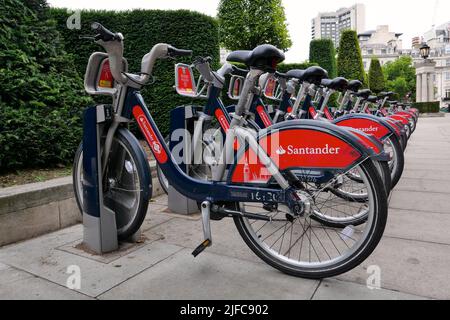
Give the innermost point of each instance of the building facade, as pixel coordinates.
(438, 39)
(329, 25)
(382, 44)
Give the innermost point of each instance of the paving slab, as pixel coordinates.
(418, 201)
(19, 285)
(211, 277)
(331, 289)
(421, 226)
(189, 234)
(423, 185)
(41, 257)
(408, 266)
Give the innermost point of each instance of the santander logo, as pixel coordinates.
(280, 151)
(369, 129)
(291, 150)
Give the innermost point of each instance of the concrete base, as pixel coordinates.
(180, 204)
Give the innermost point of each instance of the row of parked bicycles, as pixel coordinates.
(306, 185)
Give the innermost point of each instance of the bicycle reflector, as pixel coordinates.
(106, 78)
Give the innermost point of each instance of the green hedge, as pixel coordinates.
(427, 107)
(142, 29)
(41, 94)
(322, 52)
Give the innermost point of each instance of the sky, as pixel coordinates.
(412, 18)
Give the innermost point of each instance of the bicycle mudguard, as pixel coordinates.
(406, 114)
(300, 144)
(368, 124)
(400, 118)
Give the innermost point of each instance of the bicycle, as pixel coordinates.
(287, 238)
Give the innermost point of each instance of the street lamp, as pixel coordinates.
(425, 51)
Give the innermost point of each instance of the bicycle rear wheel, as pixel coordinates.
(305, 247)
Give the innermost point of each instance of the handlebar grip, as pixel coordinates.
(103, 33)
(174, 52)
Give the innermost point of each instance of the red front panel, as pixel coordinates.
(264, 116)
(150, 135)
(185, 80)
(223, 121)
(270, 88)
(367, 126)
(328, 114)
(296, 148)
(313, 112)
(106, 78)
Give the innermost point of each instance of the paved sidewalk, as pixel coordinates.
(414, 255)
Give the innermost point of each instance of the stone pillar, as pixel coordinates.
(425, 96)
(431, 95)
(425, 71)
(419, 88)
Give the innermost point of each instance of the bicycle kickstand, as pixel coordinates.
(206, 213)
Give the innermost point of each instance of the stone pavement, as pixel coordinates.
(414, 255)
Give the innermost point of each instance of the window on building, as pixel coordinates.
(447, 76)
(447, 93)
(383, 51)
(369, 51)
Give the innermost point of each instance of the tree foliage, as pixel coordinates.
(400, 77)
(323, 53)
(376, 78)
(349, 62)
(143, 29)
(245, 24)
(41, 94)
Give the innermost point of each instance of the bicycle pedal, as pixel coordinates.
(205, 244)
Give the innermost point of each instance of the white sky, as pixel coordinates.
(412, 18)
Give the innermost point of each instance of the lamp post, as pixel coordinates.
(425, 71)
(425, 51)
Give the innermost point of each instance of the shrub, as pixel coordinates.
(376, 77)
(427, 107)
(349, 62)
(323, 53)
(142, 29)
(41, 96)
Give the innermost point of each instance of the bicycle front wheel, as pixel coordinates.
(126, 184)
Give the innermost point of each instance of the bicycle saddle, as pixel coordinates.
(372, 99)
(264, 57)
(363, 93)
(296, 74)
(383, 95)
(393, 102)
(315, 75)
(282, 75)
(354, 85)
(337, 84)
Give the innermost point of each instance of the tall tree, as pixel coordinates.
(323, 53)
(245, 24)
(376, 80)
(401, 76)
(349, 62)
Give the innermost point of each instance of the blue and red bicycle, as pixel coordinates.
(275, 186)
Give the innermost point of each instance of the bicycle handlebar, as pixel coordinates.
(174, 52)
(104, 34)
